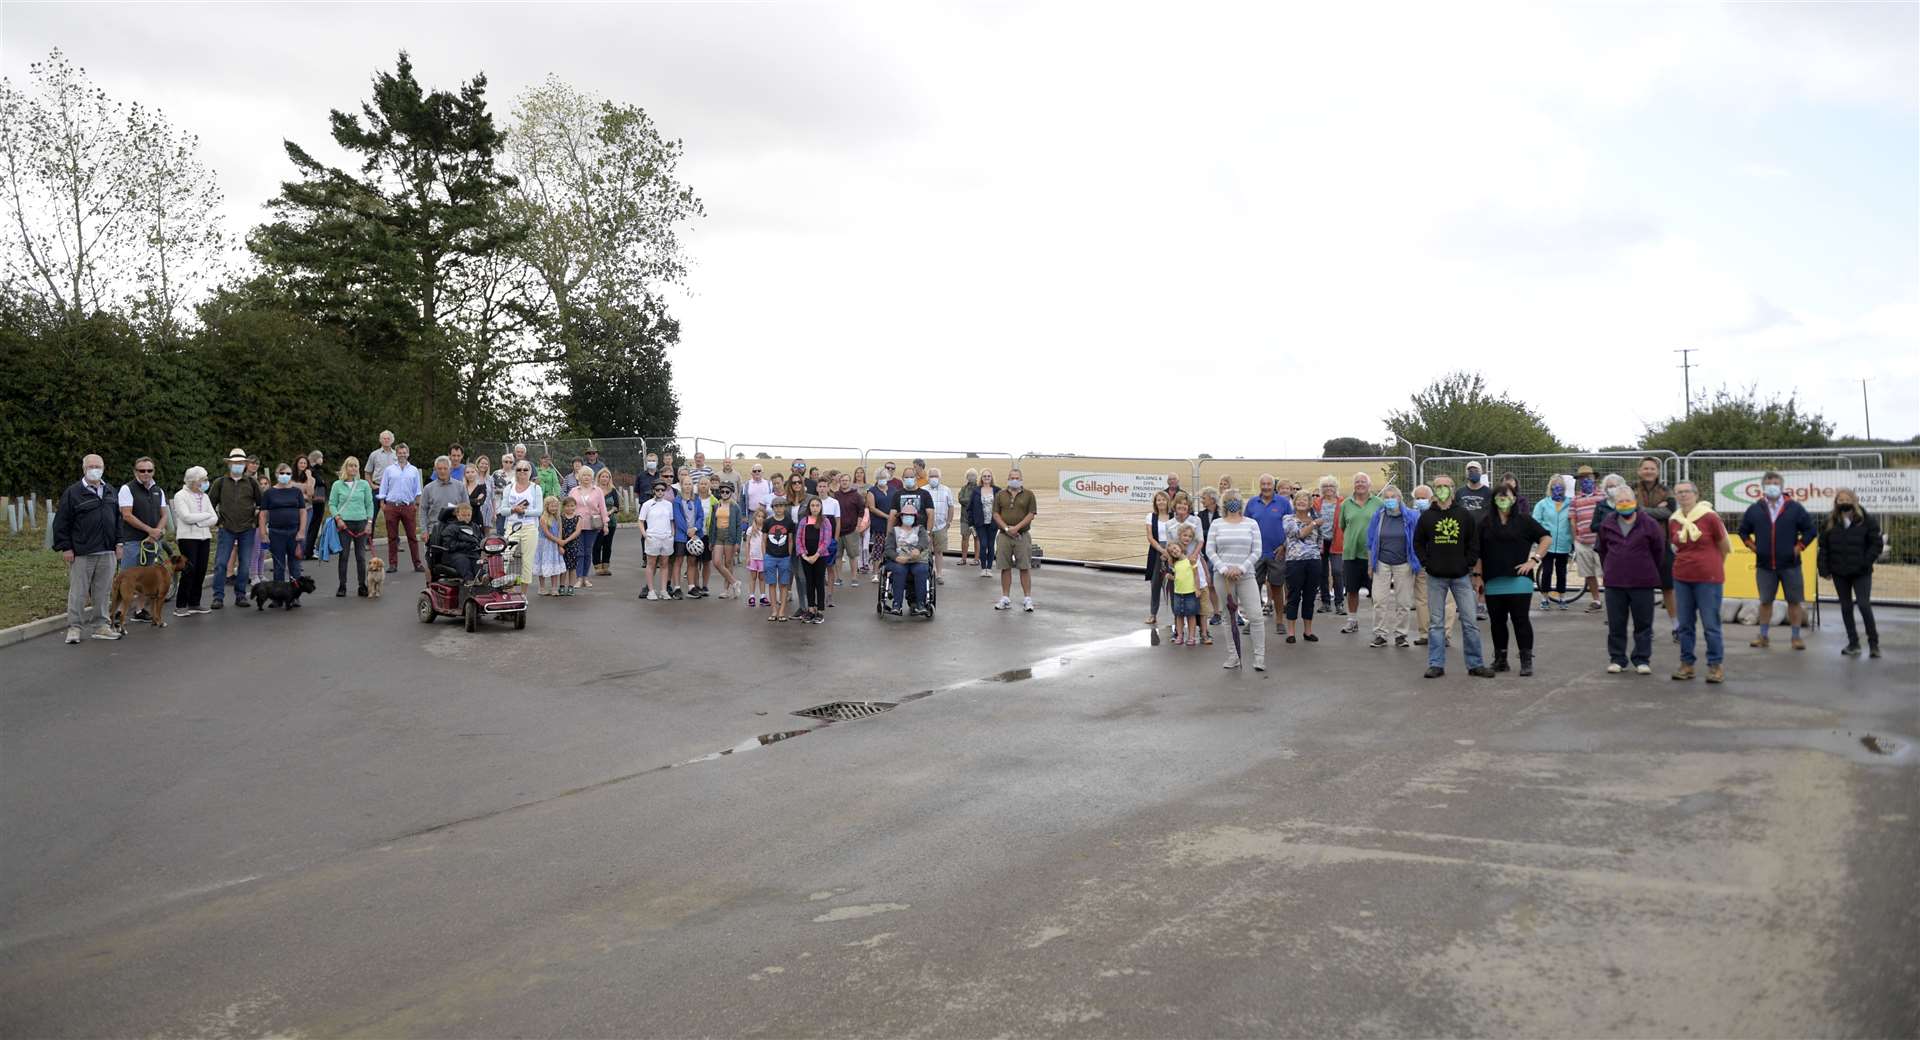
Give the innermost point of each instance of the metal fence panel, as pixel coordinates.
(778, 459)
(1245, 473)
(1095, 507)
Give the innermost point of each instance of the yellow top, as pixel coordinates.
(1183, 577)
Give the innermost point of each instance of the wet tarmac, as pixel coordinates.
(343, 822)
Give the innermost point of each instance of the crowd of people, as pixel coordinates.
(1436, 562)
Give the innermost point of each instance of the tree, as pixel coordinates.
(1458, 411)
(1741, 420)
(381, 252)
(106, 208)
(1348, 448)
(618, 388)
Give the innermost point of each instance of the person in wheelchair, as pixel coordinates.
(908, 556)
(454, 549)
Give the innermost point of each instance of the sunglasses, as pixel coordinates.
(149, 469)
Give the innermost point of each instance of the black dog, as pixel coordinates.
(280, 593)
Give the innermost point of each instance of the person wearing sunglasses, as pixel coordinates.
(520, 512)
(656, 527)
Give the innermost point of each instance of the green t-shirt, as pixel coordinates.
(1354, 518)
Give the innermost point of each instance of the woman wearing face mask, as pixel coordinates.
(1700, 545)
(1393, 565)
(1521, 504)
(1587, 502)
(193, 518)
(1631, 547)
(1555, 513)
(283, 523)
(1511, 547)
(1849, 544)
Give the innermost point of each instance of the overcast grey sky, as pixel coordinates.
(1154, 229)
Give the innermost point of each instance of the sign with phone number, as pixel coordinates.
(1111, 487)
(1880, 490)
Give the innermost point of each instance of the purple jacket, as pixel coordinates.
(1631, 560)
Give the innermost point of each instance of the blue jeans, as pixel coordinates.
(902, 574)
(1703, 598)
(984, 534)
(583, 553)
(1461, 589)
(280, 544)
(228, 542)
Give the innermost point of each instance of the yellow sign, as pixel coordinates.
(1741, 565)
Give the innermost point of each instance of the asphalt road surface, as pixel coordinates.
(342, 822)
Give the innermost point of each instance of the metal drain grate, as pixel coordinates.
(845, 711)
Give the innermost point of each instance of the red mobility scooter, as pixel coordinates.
(493, 591)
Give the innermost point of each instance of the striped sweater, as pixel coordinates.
(1233, 545)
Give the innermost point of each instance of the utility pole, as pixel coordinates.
(1686, 376)
(1864, 407)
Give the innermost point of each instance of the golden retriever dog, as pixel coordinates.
(376, 576)
(150, 583)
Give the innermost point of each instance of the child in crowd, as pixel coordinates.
(656, 525)
(570, 545)
(756, 559)
(1186, 594)
(780, 529)
(548, 559)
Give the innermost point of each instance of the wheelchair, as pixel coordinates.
(883, 601)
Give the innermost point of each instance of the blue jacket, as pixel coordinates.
(681, 527)
(1411, 518)
(1776, 545)
(1558, 522)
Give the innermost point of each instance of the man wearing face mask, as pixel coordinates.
(1014, 510)
(1776, 529)
(938, 513)
(1476, 498)
(86, 531)
(1447, 541)
(1586, 501)
(1394, 567)
(236, 498)
(1422, 501)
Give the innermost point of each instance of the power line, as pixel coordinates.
(1686, 375)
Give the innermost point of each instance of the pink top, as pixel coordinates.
(590, 505)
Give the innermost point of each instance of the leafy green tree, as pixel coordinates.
(1458, 411)
(618, 386)
(380, 252)
(1348, 448)
(1741, 420)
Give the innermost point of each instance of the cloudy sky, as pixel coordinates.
(1237, 229)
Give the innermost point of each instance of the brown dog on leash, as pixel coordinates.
(152, 583)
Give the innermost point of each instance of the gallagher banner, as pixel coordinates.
(1111, 487)
(1880, 490)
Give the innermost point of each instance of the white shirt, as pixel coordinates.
(657, 515)
(760, 496)
(829, 506)
(943, 503)
(531, 496)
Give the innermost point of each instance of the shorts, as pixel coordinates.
(1013, 551)
(705, 553)
(939, 535)
(779, 570)
(756, 566)
(1357, 575)
(659, 545)
(1270, 571)
(679, 547)
(1186, 604)
(1789, 581)
(1587, 559)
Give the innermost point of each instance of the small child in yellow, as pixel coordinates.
(1186, 599)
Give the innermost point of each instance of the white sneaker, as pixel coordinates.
(1259, 662)
(1027, 604)
(1614, 669)
(1004, 604)
(985, 573)
(73, 635)
(1643, 669)
(106, 632)
(1232, 661)
(183, 612)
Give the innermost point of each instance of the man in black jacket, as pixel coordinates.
(86, 532)
(1447, 540)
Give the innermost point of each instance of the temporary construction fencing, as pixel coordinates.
(778, 459)
(1245, 473)
(1883, 476)
(1094, 508)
